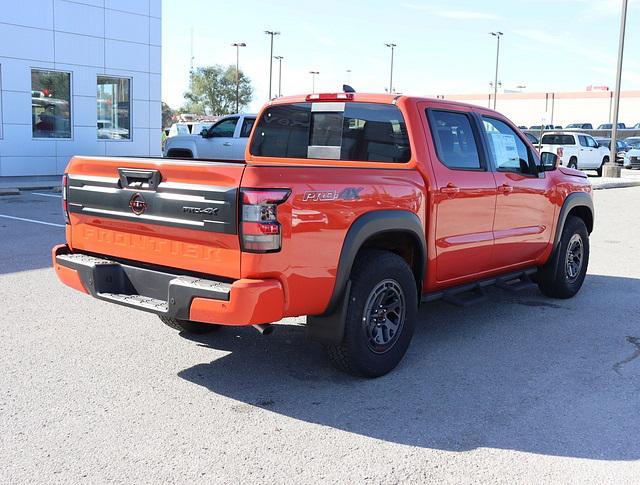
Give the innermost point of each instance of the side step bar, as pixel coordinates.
(472, 293)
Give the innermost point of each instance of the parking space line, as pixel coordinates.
(31, 220)
(47, 195)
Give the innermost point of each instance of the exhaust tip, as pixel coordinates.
(264, 328)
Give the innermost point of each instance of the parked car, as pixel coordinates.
(540, 127)
(226, 139)
(576, 150)
(341, 211)
(632, 157)
(622, 147)
(177, 129)
(532, 139)
(636, 126)
(580, 126)
(106, 131)
(189, 127)
(609, 126)
(633, 142)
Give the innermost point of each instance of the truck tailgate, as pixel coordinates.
(173, 213)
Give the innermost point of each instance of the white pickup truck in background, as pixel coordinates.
(632, 157)
(225, 140)
(576, 150)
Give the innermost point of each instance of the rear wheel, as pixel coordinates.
(188, 326)
(381, 315)
(573, 163)
(564, 273)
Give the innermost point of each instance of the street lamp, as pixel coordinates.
(612, 169)
(495, 84)
(392, 46)
(237, 45)
(313, 80)
(348, 71)
(279, 59)
(272, 33)
(491, 86)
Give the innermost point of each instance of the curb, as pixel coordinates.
(16, 190)
(617, 185)
(9, 192)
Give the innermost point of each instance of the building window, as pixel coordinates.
(0, 101)
(114, 108)
(50, 104)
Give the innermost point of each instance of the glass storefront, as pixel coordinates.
(114, 108)
(50, 104)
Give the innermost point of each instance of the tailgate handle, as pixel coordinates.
(139, 179)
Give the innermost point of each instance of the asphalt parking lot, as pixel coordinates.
(520, 388)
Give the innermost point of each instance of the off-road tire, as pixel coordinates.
(377, 274)
(555, 278)
(188, 326)
(573, 163)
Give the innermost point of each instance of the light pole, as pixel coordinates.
(392, 46)
(313, 80)
(237, 45)
(495, 84)
(272, 33)
(612, 169)
(279, 58)
(348, 71)
(491, 87)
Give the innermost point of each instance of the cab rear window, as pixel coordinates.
(366, 132)
(558, 140)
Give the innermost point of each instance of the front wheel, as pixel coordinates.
(605, 160)
(381, 315)
(188, 326)
(564, 273)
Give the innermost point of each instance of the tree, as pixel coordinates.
(167, 115)
(213, 91)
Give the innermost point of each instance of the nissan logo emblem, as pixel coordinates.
(137, 204)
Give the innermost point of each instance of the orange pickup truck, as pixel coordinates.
(349, 208)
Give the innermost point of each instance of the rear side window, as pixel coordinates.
(247, 124)
(583, 140)
(335, 131)
(454, 139)
(558, 140)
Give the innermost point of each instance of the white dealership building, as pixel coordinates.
(78, 77)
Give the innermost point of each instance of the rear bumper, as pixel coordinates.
(240, 302)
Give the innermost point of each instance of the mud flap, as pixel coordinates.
(329, 329)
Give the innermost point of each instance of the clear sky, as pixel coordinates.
(443, 46)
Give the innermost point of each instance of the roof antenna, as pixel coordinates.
(348, 89)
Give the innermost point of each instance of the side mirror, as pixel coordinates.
(549, 161)
(204, 133)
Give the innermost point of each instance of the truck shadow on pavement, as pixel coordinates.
(519, 372)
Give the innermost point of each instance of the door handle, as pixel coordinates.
(505, 189)
(450, 189)
(226, 144)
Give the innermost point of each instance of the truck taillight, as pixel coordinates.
(65, 206)
(559, 152)
(260, 230)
